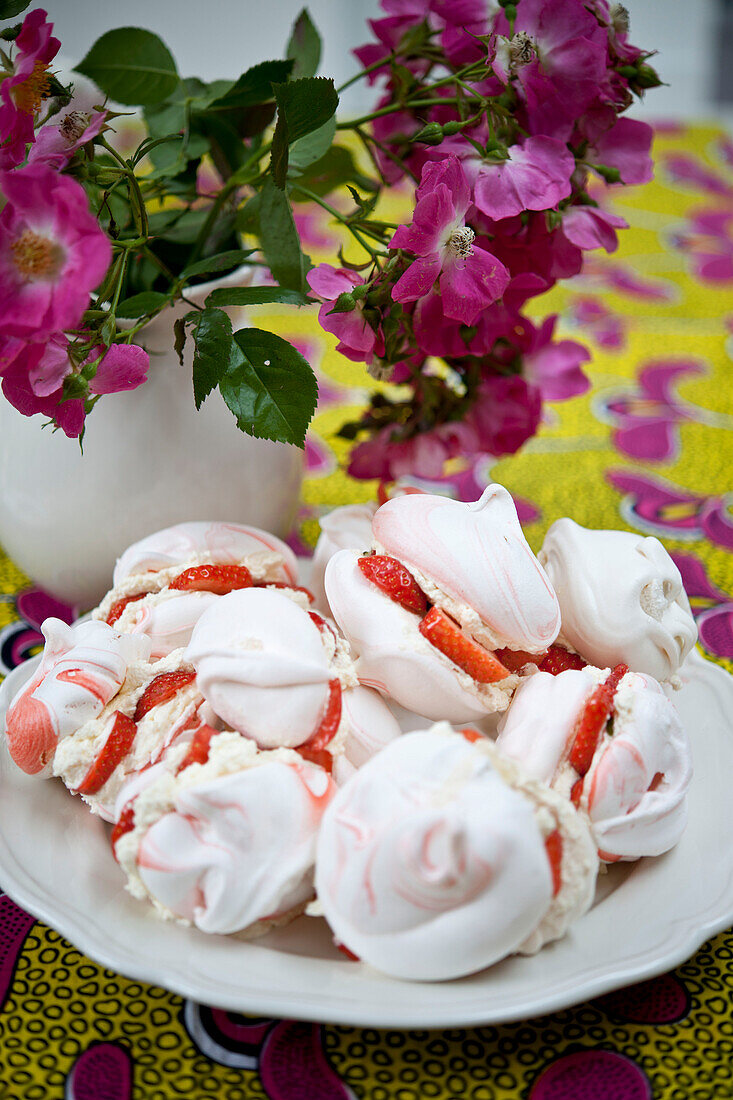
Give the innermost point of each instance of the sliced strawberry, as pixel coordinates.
(161, 689)
(322, 624)
(314, 748)
(395, 581)
(115, 748)
(558, 659)
(553, 846)
(117, 608)
(284, 584)
(125, 824)
(345, 951)
(471, 734)
(218, 579)
(516, 659)
(592, 720)
(656, 780)
(198, 751)
(576, 792)
(447, 636)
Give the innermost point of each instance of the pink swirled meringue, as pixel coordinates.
(395, 658)
(173, 721)
(203, 542)
(276, 674)
(347, 528)
(81, 669)
(621, 598)
(635, 790)
(432, 859)
(473, 561)
(228, 845)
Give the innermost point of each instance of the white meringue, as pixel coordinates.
(82, 668)
(628, 818)
(431, 865)
(395, 658)
(347, 528)
(228, 845)
(621, 598)
(477, 557)
(204, 542)
(167, 618)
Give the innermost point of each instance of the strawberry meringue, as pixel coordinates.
(437, 858)
(633, 768)
(81, 669)
(227, 844)
(447, 606)
(285, 678)
(621, 598)
(164, 583)
(159, 704)
(346, 528)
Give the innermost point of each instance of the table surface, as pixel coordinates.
(650, 450)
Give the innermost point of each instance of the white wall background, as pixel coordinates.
(220, 38)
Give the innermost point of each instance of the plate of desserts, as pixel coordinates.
(426, 780)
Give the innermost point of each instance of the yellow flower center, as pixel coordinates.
(29, 94)
(35, 257)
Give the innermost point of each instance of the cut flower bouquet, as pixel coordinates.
(494, 116)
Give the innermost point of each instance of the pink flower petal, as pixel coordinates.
(536, 177)
(124, 367)
(469, 284)
(418, 279)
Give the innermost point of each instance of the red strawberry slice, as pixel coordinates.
(553, 846)
(516, 659)
(198, 752)
(314, 748)
(218, 579)
(471, 734)
(447, 636)
(117, 608)
(558, 659)
(345, 951)
(395, 581)
(161, 689)
(592, 720)
(125, 824)
(576, 792)
(284, 584)
(115, 748)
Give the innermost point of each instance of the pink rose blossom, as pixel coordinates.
(469, 277)
(357, 340)
(553, 368)
(52, 253)
(590, 227)
(422, 455)
(506, 414)
(60, 137)
(625, 147)
(22, 93)
(536, 176)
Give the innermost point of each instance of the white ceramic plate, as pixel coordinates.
(55, 861)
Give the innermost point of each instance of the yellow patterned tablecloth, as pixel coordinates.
(649, 449)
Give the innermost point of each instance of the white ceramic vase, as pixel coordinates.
(150, 460)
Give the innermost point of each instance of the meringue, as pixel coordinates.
(432, 860)
(228, 845)
(621, 598)
(346, 528)
(81, 669)
(635, 789)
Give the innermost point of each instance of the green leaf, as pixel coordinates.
(179, 337)
(139, 305)
(312, 147)
(256, 296)
(304, 46)
(10, 8)
(132, 66)
(213, 346)
(254, 86)
(279, 238)
(224, 261)
(302, 107)
(269, 387)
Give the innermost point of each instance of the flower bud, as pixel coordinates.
(610, 175)
(344, 303)
(359, 292)
(647, 77)
(510, 11)
(450, 128)
(432, 134)
(75, 386)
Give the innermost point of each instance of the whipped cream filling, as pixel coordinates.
(228, 845)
